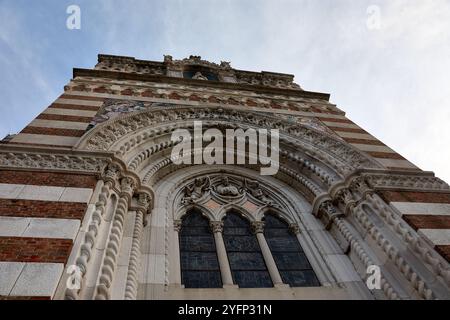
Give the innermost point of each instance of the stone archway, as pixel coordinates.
(323, 170)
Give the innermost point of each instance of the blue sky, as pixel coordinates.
(393, 80)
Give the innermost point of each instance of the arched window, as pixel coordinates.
(199, 264)
(244, 254)
(289, 257)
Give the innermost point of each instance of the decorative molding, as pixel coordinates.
(115, 237)
(87, 247)
(177, 225)
(406, 182)
(45, 161)
(356, 193)
(294, 228)
(132, 283)
(257, 226)
(216, 226)
(340, 155)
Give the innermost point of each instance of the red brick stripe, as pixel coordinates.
(408, 196)
(42, 209)
(444, 251)
(404, 169)
(74, 97)
(42, 145)
(363, 141)
(386, 155)
(54, 131)
(427, 221)
(321, 118)
(355, 130)
(48, 179)
(74, 107)
(43, 250)
(61, 117)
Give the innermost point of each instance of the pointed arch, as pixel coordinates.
(198, 256)
(244, 254)
(291, 261)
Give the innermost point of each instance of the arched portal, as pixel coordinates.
(222, 228)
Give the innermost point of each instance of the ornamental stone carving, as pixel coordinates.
(257, 227)
(254, 188)
(79, 163)
(336, 152)
(216, 226)
(177, 225)
(226, 189)
(294, 228)
(196, 190)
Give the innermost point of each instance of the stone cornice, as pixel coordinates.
(382, 179)
(70, 161)
(77, 72)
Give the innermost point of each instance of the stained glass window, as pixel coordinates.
(244, 254)
(199, 264)
(289, 257)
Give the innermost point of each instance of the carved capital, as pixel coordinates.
(79, 163)
(144, 200)
(177, 225)
(257, 227)
(344, 196)
(111, 173)
(294, 228)
(346, 199)
(126, 187)
(216, 226)
(329, 213)
(327, 208)
(360, 185)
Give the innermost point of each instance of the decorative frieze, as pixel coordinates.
(324, 146)
(45, 161)
(407, 182)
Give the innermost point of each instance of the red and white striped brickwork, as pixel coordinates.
(41, 212)
(40, 217)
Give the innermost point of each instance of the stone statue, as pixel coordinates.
(226, 189)
(225, 64)
(196, 189)
(255, 190)
(199, 76)
(168, 59)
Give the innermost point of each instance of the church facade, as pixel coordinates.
(96, 204)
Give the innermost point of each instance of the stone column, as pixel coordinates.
(225, 271)
(258, 229)
(114, 240)
(87, 247)
(176, 248)
(132, 283)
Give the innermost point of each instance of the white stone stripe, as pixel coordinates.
(341, 125)
(355, 135)
(20, 279)
(372, 148)
(412, 208)
(39, 228)
(41, 123)
(396, 163)
(79, 102)
(70, 112)
(45, 139)
(438, 237)
(44, 193)
(152, 269)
